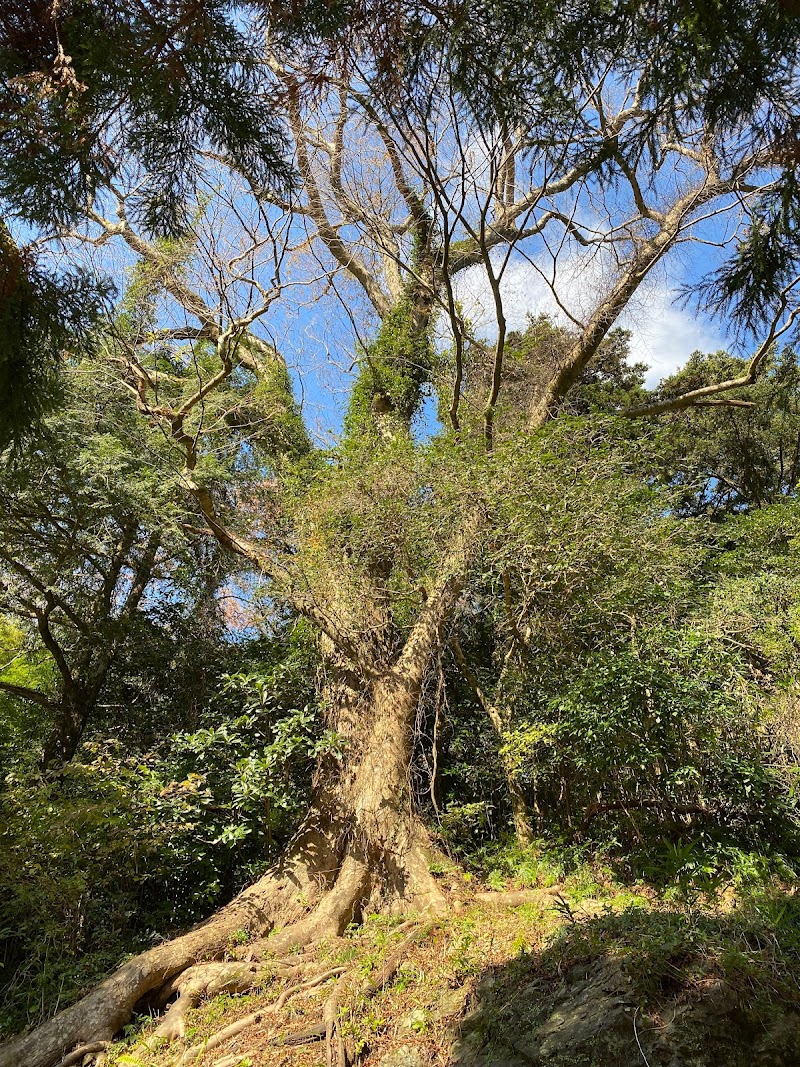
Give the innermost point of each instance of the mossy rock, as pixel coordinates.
(592, 1019)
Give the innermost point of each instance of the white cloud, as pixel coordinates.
(663, 335)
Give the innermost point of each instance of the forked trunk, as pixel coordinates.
(376, 796)
(65, 736)
(361, 847)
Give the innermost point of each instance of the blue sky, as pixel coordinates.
(315, 332)
(664, 331)
(318, 340)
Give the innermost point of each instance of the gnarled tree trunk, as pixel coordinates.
(71, 714)
(361, 847)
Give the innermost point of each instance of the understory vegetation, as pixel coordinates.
(399, 533)
(646, 711)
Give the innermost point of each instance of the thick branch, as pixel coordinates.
(326, 231)
(471, 679)
(141, 579)
(24, 693)
(52, 646)
(507, 227)
(648, 254)
(120, 555)
(424, 635)
(302, 602)
(699, 397)
(48, 592)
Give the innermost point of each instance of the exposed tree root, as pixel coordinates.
(229, 1032)
(78, 1054)
(334, 914)
(371, 856)
(513, 898)
(334, 1043)
(327, 1028)
(325, 884)
(307, 1036)
(337, 909)
(283, 895)
(393, 961)
(196, 983)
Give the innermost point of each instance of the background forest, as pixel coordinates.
(327, 576)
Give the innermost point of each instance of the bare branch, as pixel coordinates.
(699, 397)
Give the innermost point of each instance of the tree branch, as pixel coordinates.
(699, 397)
(326, 231)
(25, 693)
(648, 254)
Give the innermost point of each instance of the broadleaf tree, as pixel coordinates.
(402, 202)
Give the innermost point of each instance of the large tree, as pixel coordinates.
(375, 543)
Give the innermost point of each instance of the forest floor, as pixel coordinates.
(582, 973)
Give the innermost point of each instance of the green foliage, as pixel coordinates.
(246, 423)
(128, 844)
(523, 66)
(466, 823)
(657, 725)
(41, 314)
(88, 523)
(750, 284)
(608, 383)
(577, 871)
(642, 663)
(22, 665)
(255, 766)
(506, 76)
(392, 374)
(725, 460)
(275, 420)
(79, 861)
(155, 87)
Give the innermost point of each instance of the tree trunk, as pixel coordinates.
(519, 808)
(377, 801)
(360, 847)
(71, 714)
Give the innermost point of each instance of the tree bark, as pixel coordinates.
(361, 847)
(71, 714)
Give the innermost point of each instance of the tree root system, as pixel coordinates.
(313, 895)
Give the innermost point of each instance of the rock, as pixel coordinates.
(593, 1008)
(591, 1019)
(781, 1042)
(404, 1056)
(450, 1003)
(415, 1022)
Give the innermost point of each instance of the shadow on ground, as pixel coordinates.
(654, 987)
